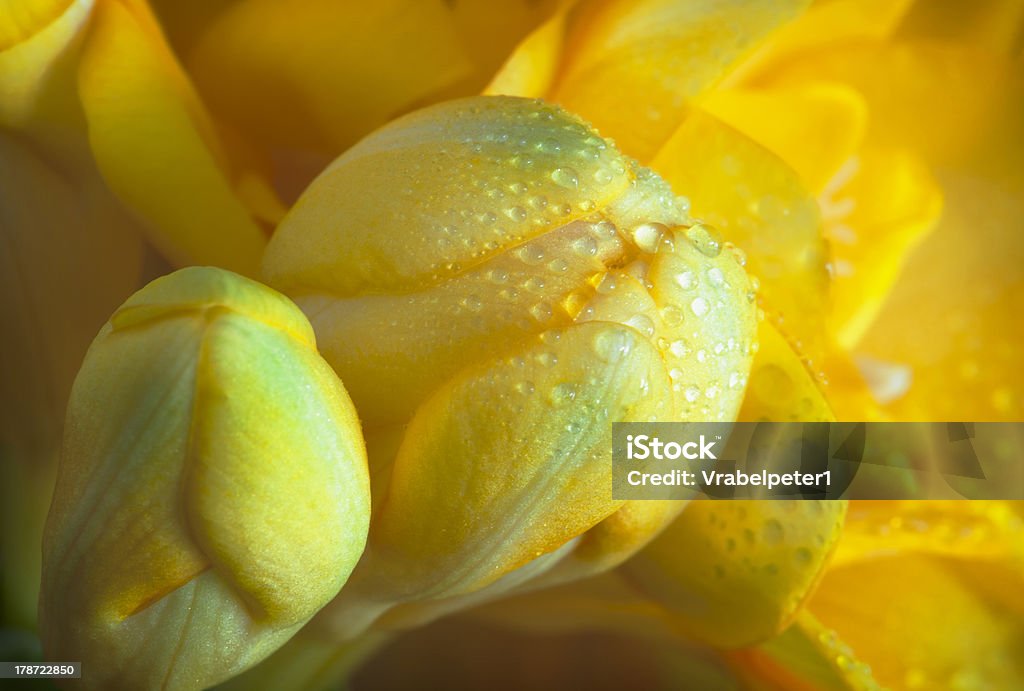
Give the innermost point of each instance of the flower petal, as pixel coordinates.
(528, 484)
(155, 147)
(759, 204)
(894, 204)
(736, 572)
(343, 68)
(630, 67)
(814, 128)
(948, 635)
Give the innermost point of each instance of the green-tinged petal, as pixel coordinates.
(631, 67)
(69, 257)
(814, 128)
(807, 656)
(735, 573)
(155, 147)
(948, 634)
(758, 203)
(343, 68)
(529, 472)
(884, 205)
(212, 493)
(439, 191)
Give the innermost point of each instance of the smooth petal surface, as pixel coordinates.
(342, 68)
(155, 147)
(212, 493)
(758, 203)
(632, 67)
(735, 573)
(527, 487)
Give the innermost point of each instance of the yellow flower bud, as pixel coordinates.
(212, 493)
(496, 276)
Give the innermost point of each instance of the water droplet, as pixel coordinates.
(541, 311)
(517, 213)
(585, 246)
(715, 276)
(686, 280)
(498, 276)
(539, 202)
(524, 387)
(530, 254)
(558, 266)
(547, 359)
(551, 337)
(607, 284)
(647, 236)
(679, 348)
(803, 555)
(772, 532)
(671, 315)
(472, 303)
(705, 238)
(642, 323)
(562, 394)
(534, 284)
(699, 306)
(692, 393)
(518, 188)
(602, 176)
(566, 177)
(612, 345)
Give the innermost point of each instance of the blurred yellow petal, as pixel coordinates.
(924, 96)
(781, 387)
(212, 493)
(977, 530)
(33, 36)
(815, 128)
(993, 24)
(527, 488)
(734, 573)
(759, 204)
(342, 68)
(631, 67)
(154, 147)
(949, 317)
(886, 205)
(53, 226)
(531, 70)
(824, 24)
(490, 29)
(948, 635)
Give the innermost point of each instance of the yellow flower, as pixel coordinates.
(496, 284)
(212, 492)
(491, 304)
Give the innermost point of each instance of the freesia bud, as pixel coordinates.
(212, 492)
(496, 276)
